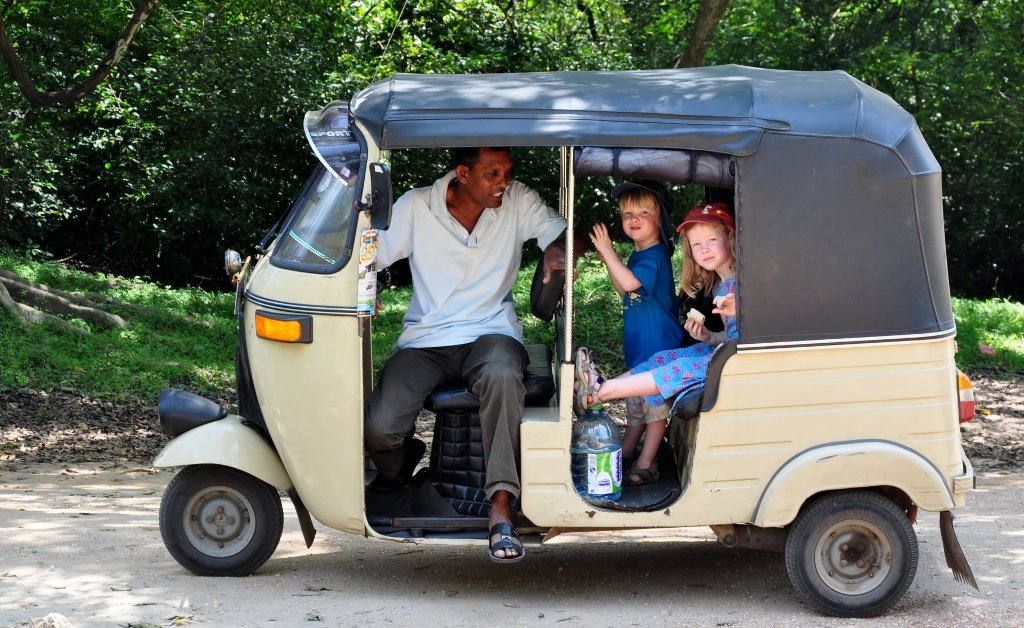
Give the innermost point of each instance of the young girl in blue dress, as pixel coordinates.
(709, 265)
(650, 309)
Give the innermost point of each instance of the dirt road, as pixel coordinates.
(84, 542)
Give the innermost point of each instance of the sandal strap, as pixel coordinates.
(588, 380)
(508, 539)
(647, 476)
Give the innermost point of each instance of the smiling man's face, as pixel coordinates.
(486, 181)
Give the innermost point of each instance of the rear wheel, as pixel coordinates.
(852, 554)
(218, 521)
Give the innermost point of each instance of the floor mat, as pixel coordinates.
(418, 499)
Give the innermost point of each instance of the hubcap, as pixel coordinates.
(853, 557)
(219, 521)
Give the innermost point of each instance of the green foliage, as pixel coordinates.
(998, 323)
(185, 338)
(194, 142)
(177, 338)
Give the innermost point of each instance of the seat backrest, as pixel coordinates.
(544, 297)
(690, 403)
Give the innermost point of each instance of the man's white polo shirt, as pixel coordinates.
(462, 281)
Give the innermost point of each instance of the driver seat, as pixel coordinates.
(457, 453)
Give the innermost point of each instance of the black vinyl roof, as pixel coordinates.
(719, 109)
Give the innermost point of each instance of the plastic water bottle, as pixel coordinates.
(596, 456)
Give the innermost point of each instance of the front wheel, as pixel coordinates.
(218, 521)
(852, 554)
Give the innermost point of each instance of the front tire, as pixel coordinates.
(852, 554)
(218, 521)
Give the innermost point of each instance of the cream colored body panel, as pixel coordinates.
(787, 423)
(227, 443)
(846, 466)
(311, 394)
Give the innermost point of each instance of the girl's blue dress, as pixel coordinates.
(677, 370)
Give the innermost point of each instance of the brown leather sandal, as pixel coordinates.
(639, 477)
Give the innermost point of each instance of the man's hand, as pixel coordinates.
(554, 256)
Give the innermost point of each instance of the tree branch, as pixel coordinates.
(710, 13)
(76, 92)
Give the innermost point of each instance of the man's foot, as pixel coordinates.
(504, 539)
(414, 450)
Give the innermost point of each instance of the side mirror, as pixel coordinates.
(232, 262)
(380, 196)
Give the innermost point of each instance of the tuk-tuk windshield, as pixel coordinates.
(318, 235)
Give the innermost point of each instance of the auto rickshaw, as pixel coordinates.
(820, 433)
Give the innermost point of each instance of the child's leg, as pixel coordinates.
(645, 468)
(639, 385)
(631, 439)
(652, 441)
(636, 420)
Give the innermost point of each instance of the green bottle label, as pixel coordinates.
(604, 473)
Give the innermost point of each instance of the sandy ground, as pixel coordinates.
(83, 541)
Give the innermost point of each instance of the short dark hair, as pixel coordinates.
(469, 155)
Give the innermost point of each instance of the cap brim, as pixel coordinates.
(702, 220)
(622, 188)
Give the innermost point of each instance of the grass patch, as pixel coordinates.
(998, 323)
(186, 338)
(176, 338)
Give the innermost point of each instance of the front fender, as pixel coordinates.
(229, 443)
(846, 466)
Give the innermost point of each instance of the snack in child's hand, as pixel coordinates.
(694, 314)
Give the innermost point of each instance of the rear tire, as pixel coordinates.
(218, 521)
(852, 554)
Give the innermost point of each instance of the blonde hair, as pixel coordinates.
(696, 278)
(639, 197)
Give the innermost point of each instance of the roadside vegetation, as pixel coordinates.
(185, 338)
(194, 141)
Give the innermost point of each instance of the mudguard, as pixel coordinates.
(850, 465)
(229, 443)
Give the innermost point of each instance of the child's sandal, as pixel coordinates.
(588, 381)
(639, 477)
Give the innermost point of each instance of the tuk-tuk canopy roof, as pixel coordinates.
(721, 109)
(837, 196)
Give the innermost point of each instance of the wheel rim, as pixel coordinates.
(853, 557)
(219, 521)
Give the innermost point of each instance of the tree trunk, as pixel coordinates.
(79, 91)
(708, 17)
(18, 296)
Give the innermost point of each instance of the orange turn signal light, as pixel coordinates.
(284, 327)
(965, 389)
